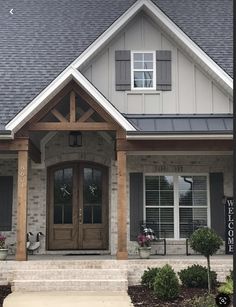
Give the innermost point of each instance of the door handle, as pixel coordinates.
(80, 216)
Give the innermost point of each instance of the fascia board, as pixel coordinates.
(102, 101)
(109, 33)
(18, 121)
(189, 43)
(168, 24)
(181, 137)
(41, 100)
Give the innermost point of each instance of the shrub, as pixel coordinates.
(166, 284)
(202, 301)
(149, 276)
(195, 276)
(207, 242)
(227, 287)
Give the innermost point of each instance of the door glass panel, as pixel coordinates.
(63, 195)
(92, 196)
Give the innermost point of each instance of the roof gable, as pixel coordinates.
(41, 55)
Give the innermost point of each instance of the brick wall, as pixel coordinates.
(99, 150)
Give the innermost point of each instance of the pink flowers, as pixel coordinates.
(2, 241)
(144, 240)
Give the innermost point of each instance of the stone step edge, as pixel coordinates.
(68, 280)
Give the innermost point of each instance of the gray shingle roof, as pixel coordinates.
(173, 123)
(43, 37)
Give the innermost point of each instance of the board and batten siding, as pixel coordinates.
(193, 91)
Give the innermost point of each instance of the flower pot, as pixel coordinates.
(3, 253)
(144, 252)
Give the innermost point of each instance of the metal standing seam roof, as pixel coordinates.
(41, 38)
(164, 124)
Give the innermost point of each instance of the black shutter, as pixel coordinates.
(136, 204)
(6, 191)
(163, 70)
(123, 70)
(217, 208)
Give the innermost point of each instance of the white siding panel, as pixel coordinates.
(100, 73)
(192, 89)
(231, 106)
(152, 104)
(203, 93)
(186, 84)
(151, 35)
(117, 98)
(88, 73)
(133, 34)
(135, 103)
(220, 101)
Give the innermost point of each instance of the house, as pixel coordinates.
(113, 113)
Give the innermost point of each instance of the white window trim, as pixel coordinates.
(132, 71)
(176, 203)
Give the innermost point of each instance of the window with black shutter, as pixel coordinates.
(143, 70)
(6, 193)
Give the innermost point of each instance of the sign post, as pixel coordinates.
(229, 226)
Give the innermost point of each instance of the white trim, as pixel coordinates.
(6, 136)
(58, 83)
(180, 137)
(140, 89)
(167, 23)
(71, 73)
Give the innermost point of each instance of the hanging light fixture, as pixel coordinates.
(75, 139)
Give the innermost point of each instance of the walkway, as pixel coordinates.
(68, 299)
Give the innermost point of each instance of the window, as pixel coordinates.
(160, 204)
(143, 70)
(176, 205)
(192, 203)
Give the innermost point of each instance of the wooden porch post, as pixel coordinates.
(22, 182)
(122, 253)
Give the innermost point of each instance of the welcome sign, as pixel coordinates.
(229, 226)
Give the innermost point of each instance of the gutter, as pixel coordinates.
(6, 135)
(149, 136)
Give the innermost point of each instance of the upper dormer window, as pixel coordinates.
(143, 70)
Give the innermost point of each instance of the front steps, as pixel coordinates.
(67, 279)
(57, 274)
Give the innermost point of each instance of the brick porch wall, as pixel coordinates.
(98, 150)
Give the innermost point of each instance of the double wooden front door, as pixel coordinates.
(78, 207)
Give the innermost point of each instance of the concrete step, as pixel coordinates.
(68, 299)
(82, 274)
(70, 285)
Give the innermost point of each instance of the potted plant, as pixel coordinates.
(144, 240)
(3, 249)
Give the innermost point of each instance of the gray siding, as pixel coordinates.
(193, 91)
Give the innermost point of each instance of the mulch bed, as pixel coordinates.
(4, 291)
(141, 296)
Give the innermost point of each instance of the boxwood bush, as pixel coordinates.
(195, 276)
(149, 276)
(166, 284)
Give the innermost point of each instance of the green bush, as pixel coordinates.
(227, 287)
(166, 284)
(206, 241)
(149, 276)
(195, 276)
(202, 301)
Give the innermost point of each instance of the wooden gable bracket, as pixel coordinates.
(70, 122)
